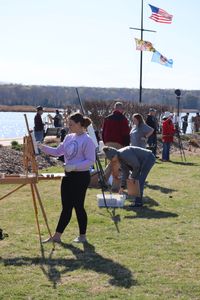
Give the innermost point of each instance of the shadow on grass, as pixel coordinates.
(160, 188)
(184, 163)
(85, 258)
(146, 212)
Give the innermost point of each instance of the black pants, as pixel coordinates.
(73, 190)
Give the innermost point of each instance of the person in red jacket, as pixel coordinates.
(116, 134)
(116, 128)
(168, 131)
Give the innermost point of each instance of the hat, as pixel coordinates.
(39, 108)
(166, 115)
(152, 109)
(110, 152)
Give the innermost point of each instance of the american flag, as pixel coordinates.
(160, 15)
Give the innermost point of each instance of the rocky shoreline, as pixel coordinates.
(11, 161)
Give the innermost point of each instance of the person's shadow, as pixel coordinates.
(164, 190)
(86, 259)
(147, 212)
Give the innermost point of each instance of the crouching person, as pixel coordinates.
(134, 161)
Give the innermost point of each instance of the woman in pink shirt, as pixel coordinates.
(79, 155)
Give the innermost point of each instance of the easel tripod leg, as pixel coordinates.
(43, 211)
(36, 211)
(19, 187)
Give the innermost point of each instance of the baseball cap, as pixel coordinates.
(39, 108)
(110, 152)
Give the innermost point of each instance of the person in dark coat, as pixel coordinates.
(152, 122)
(39, 125)
(185, 123)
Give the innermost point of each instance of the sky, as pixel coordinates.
(90, 43)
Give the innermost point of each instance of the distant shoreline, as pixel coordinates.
(7, 141)
(30, 108)
(23, 108)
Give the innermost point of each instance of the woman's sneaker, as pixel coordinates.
(80, 239)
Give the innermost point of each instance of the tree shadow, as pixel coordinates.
(86, 259)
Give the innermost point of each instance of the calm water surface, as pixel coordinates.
(12, 124)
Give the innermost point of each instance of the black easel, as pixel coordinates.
(182, 153)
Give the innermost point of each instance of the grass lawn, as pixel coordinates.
(156, 254)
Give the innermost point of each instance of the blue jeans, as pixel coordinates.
(148, 164)
(166, 150)
(152, 142)
(39, 135)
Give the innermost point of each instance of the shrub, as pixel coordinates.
(16, 146)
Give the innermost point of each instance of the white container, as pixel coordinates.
(112, 200)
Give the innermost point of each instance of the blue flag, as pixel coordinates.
(160, 59)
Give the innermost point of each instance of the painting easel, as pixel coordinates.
(30, 176)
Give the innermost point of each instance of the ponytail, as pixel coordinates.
(79, 118)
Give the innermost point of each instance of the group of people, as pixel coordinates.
(195, 122)
(124, 146)
(118, 133)
(135, 149)
(58, 121)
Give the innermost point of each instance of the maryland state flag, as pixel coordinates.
(160, 59)
(144, 45)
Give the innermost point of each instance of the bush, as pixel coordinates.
(16, 146)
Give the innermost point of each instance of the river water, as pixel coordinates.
(12, 124)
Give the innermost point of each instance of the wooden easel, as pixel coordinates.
(30, 176)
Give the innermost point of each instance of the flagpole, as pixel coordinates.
(141, 54)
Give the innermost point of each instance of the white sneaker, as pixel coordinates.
(80, 239)
(51, 239)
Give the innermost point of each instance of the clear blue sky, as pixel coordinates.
(89, 43)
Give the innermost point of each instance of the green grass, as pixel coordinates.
(155, 256)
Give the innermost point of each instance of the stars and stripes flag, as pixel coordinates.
(160, 15)
(143, 45)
